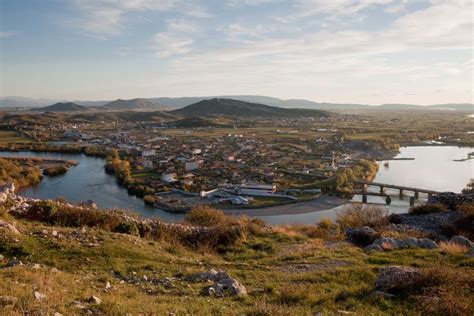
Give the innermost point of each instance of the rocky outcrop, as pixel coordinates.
(361, 236)
(388, 243)
(8, 226)
(223, 283)
(395, 278)
(462, 241)
(432, 224)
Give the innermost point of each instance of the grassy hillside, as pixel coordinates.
(81, 266)
(63, 107)
(229, 107)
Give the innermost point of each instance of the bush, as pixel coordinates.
(428, 208)
(41, 210)
(452, 248)
(149, 199)
(443, 291)
(128, 228)
(358, 215)
(205, 216)
(55, 170)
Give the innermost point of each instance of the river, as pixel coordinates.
(433, 168)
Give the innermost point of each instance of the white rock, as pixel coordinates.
(39, 296)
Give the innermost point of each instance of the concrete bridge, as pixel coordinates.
(401, 188)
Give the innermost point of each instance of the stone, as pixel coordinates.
(57, 314)
(54, 233)
(202, 276)
(361, 236)
(470, 252)
(9, 226)
(427, 243)
(227, 286)
(39, 296)
(36, 266)
(7, 300)
(54, 270)
(108, 286)
(374, 247)
(395, 278)
(95, 300)
(462, 241)
(78, 305)
(14, 262)
(383, 294)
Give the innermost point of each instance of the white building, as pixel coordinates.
(169, 177)
(148, 164)
(256, 189)
(196, 151)
(148, 152)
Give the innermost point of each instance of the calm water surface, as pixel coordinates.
(433, 168)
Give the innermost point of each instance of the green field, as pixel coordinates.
(13, 137)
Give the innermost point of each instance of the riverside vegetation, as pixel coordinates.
(67, 259)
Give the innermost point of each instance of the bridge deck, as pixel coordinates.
(398, 187)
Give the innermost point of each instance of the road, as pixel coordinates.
(325, 202)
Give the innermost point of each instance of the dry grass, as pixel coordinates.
(444, 291)
(205, 216)
(358, 215)
(452, 248)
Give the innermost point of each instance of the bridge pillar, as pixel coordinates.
(364, 198)
(401, 193)
(381, 189)
(412, 200)
(416, 195)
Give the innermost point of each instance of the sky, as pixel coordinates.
(343, 51)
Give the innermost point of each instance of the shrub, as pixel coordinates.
(357, 215)
(443, 291)
(428, 208)
(205, 216)
(130, 228)
(41, 210)
(71, 216)
(452, 248)
(149, 199)
(55, 170)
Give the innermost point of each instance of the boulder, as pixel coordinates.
(462, 241)
(361, 236)
(395, 278)
(373, 247)
(211, 275)
(470, 252)
(225, 287)
(427, 243)
(9, 226)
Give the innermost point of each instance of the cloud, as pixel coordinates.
(166, 45)
(107, 18)
(7, 34)
(336, 7)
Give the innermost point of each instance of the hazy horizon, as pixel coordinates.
(365, 51)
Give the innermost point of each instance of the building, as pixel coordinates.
(256, 189)
(148, 164)
(148, 152)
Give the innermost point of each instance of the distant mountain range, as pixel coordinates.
(230, 107)
(63, 107)
(133, 104)
(165, 103)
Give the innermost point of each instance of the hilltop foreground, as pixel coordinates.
(61, 259)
